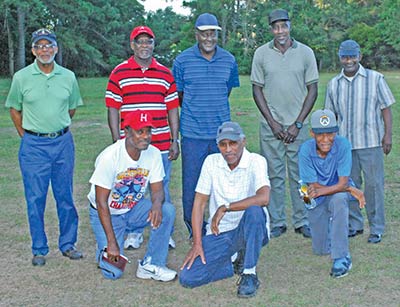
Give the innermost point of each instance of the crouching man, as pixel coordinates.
(122, 173)
(235, 184)
(325, 165)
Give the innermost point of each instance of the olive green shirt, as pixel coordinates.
(45, 100)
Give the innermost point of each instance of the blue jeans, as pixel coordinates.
(157, 247)
(250, 236)
(194, 152)
(43, 160)
(329, 224)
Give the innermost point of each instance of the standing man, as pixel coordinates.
(123, 172)
(143, 83)
(325, 165)
(361, 100)
(234, 184)
(205, 75)
(42, 100)
(285, 86)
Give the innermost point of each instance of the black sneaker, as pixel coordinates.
(248, 285)
(304, 230)
(277, 231)
(238, 264)
(73, 254)
(353, 233)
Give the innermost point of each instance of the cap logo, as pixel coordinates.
(143, 117)
(324, 120)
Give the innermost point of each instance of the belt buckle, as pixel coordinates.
(53, 135)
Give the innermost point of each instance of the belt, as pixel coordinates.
(51, 135)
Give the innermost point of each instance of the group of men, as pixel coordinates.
(218, 171)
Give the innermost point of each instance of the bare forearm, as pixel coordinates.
(309, 101)
(16, 117)
(261, 103)
(260, 199)
(113, 123)
(173, 121)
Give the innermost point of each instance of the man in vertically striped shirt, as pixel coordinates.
(141, 83)
(361, 100)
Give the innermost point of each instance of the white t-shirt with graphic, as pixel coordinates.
(127, 179)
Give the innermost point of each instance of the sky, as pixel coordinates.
(153, 5)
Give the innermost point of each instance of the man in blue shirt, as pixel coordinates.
(205, 75)
(325, 165)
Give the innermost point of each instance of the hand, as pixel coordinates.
(219, 214)
(277, 130)
(387, 144)
(113, 251)
(359, 195)
(312, 192)
(291, 134)
(155, 216)
(173, 151)
(194, 252)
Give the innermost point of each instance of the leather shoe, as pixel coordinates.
(304, 230)
(353, 233)
(73, 254)
(38, 260)
(374, 238)
(248, 285)
(277, 231)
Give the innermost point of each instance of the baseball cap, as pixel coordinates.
(323, 121)
(138, 119)
(140, 30)
(278, 14)
(230, 131)
(207, 21)
(44, 34)
(349, 48)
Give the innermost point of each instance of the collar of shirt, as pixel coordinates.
(361, 71)
(36, 70)
(135, 65)
(244, 161)
(294, 44)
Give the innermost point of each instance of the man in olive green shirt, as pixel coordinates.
(42, 100)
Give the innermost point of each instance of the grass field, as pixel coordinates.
(290, 274)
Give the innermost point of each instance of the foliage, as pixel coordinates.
(94, 34)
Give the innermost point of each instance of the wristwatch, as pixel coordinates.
(176, 141)
(298, 125)
(228, 207)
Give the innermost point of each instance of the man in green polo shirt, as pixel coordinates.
(42, 100)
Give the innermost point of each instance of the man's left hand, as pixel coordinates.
(216, 219)
(291, 134)
(173, 151)
(155, 216)
(387, 144)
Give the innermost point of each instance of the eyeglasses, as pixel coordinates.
(208, 34)
(144, 42)
(43, 46)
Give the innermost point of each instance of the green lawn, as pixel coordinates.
(290, 274)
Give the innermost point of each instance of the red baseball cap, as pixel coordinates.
(138, 119)
(140, 30)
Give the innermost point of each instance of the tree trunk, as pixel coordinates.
(10, 44)
(21, 38)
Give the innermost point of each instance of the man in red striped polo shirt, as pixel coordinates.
(142, 83)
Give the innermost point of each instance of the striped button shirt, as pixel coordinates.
(358, 104)
(154, 90)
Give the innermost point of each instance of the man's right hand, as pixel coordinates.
(195, 251)
(113, 251)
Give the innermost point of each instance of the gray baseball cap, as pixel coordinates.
(349, 48)
(278, 14)
(229, 131)
(323, 121)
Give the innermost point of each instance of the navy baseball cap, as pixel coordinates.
(278, 14)
(229, 131)
(44, 34)
(323, 121)
(207, 21)
(349, 48)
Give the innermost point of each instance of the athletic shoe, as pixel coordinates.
(304, 230)
(133, 240)
(374, 238)
(38, 260)
(73, 254)
(171, 243)
(353, 233)
(278, 231)
(146, 270)
(248, 285)
(341, 267)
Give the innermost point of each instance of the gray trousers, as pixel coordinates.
(283, 159)
(329, 223)
(368, 165)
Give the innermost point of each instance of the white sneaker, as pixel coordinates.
(133, 240)
(151, 271)
(171, 243)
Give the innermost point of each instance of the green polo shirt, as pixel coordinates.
(45, 100)
(284, 78)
